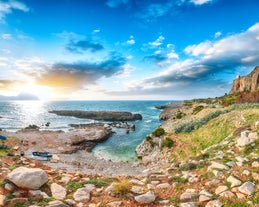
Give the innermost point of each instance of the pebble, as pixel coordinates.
(234, 181)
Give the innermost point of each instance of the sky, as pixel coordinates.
(126, 49)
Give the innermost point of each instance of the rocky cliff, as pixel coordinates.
(247, 83)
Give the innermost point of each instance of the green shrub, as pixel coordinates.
(148, 138)
(168, 142)
(121, 188)
(197, 109)
(179, 114)
(74, 186)
(98, 183)
(158, 132)
(190, 126)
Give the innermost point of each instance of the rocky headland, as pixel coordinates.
(99, 115)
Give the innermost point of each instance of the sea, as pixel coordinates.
(15, 115)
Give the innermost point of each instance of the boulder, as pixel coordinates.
(187, 196)
(58, 191)
(29, 178)
(82, 195)
(145, 198)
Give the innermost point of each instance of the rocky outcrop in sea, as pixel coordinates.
(100, 115)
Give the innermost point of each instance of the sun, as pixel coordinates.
(42, 92)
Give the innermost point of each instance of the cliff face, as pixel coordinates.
(246, 83)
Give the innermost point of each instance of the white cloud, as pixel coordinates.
(131, 40)
(96, 31)
(127, 70)
(210, 67)
(8, 7)
(6, 36)
(157, 42)
(200, 2)
(217, 34)
(172, 55)
(196, 50)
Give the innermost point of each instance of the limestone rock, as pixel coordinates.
(203, 198)
(30, 178)
(227, 194)
(2, 200)
(214, 203)
(56, 204)
(234, 181)
(137, 190)
(187, 196)
(247, 188)
(145, 198)
(82, 195)
(163, 186)
(58, 191)
(114, 204)
(219, 166)
(246, 83)
(221, 189)
(189, 204)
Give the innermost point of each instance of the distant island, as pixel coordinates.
(19, 97)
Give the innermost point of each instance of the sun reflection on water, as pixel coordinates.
(30, 112)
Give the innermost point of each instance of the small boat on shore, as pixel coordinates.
(41, 155)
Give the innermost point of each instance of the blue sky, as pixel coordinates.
(126, 49)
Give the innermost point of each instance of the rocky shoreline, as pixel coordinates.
(222, 174)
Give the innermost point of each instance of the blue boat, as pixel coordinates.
(42, 155)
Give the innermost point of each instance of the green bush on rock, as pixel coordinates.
(158, 132)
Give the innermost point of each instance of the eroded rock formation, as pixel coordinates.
(247, 83)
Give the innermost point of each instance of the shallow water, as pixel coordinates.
(120, 147)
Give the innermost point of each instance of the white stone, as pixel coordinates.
(231, 164)
(58, 191)
(189, 204)
(206, 193)
(227, 194)
(137, 190)
(255, 164)
(70, 202)
(234, 181)
(2, 200)
(188, 196)
(163, 186)
(38, 194)
(203, 198)
(56, 204)
(219, 166)
(66, 179)
(82, 195)
(136, 182)
(221, 189)
(30, 178)
(114, 204)
(246, 172)
(145, 198)
(214, 203)
(247, 188)
(212, 183)
(9, 186)
(240, 195)
(253, 135)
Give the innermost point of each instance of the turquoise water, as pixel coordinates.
(19, 114)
